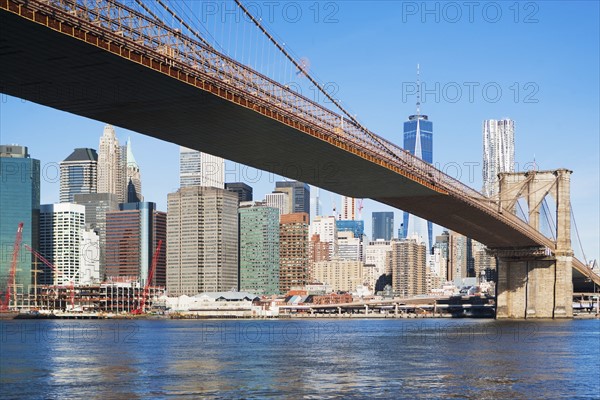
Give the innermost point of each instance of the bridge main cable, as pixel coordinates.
(314, 82)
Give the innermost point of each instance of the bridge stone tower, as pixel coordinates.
(531, 282)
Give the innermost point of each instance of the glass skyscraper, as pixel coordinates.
(418, 137)
(243, 191)
(19, 202)
(383, 225)
(132, 235)
(418, 140)
(78, 174)
(200, 169)
(259, 249)
(299, 195)
(96, 207)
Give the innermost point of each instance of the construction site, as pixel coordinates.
(119, 296)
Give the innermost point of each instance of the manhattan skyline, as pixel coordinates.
(361, 56)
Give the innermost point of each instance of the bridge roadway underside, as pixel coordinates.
(50, 68)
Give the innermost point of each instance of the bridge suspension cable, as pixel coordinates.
(578, 238)
(180, 20)
(156, 40)
(353, 132)
(525, 216)
(549, 219)
(303, 70)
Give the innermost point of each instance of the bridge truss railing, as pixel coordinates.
(148, 33)
(151, 37)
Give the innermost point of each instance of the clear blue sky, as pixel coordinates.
(543, 56)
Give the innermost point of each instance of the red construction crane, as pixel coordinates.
(43, 259)
(53, 268)
(142, 306)
(13, 271)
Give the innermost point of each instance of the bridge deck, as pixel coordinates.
(59, 71)
(100, 81)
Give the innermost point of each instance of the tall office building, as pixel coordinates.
(202, 240)
(383, 225)
(293, 251)
(349, 224)
(259, 249)
(498, 152)
(441, 256)
(96, 207)
(132, 236)
(78, 174)
(326, 228)
(243, 191)
(133, 176)
(409, 267)
(316, 208)
(299, 195)
(280, 201)
(200, 169)
(19, 202)
(418, 140)
(348, 208)
(111, 170)
(461, 263)
(62, 229)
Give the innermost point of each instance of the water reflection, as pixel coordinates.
(480, 359)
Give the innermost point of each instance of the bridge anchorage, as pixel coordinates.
(536, 282)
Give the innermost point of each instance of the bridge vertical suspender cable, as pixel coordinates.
(149, 11)
(180, 20)
(375, 140)
(312, 80)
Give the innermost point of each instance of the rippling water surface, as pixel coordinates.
(425, 358)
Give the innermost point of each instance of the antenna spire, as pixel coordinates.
(418, 91)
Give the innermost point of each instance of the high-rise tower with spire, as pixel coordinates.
(134, 178)
(111, 174)
(418, 140)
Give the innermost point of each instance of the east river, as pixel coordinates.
(326, 358)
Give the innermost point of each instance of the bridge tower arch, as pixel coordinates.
(536, 282)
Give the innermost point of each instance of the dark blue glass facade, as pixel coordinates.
(426, 139)
(300, 194)
(19, 202)
(383, 225)
(356, 227)
(418, 140)
(146, 218)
